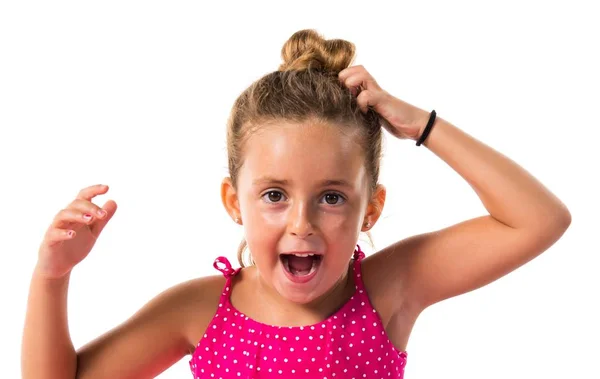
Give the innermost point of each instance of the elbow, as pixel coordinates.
(557, 225)
(563, 218)
(559, 219)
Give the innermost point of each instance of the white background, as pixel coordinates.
(136, 95)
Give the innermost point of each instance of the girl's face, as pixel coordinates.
(303, 189)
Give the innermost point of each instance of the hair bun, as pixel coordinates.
(306, 49)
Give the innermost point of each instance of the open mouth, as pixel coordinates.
(300, 265)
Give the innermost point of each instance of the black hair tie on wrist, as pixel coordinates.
(427, 128)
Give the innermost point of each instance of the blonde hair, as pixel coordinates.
(305, 87)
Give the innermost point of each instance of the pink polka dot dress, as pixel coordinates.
(351, 343)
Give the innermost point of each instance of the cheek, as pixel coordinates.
(336, 224)
(345, 219)
(260, 227)
(264, 220)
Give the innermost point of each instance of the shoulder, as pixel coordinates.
(196, 302)
(175, 317)
(187, 307)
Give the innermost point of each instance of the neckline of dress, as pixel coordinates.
(356, 293)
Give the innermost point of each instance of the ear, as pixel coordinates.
(230, 200)
(374, 208)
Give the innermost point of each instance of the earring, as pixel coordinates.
(237, 220)
(367, 224)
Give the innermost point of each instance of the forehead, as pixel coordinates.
(303, 151)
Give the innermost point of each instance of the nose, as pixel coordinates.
(299, 223)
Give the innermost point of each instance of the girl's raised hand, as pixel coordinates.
(400, 118)
(73, 233)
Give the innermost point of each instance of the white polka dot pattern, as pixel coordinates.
(351, 343)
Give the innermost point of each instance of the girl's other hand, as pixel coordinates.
(73, 232)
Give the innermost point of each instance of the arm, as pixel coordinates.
(146, 344)
(149, 342)
(46, 349)
(525, 220)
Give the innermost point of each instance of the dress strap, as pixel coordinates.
(356, 269)
(358, 253)
(227, 271)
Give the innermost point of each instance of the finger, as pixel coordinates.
(110, 207)
(362, 81)
(55, 235)
(349, 71)
(357, 75)
(94, 216)
(70, 217)
(364, 100)
(88, 207)
(352, 82)
(90, 192)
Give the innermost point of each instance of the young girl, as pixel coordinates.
(304, 146)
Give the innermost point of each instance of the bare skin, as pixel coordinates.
(524, 220)
(178, 317)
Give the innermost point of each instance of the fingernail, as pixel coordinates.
(87, 216)
(101, 212)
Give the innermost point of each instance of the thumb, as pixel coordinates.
(110, 207)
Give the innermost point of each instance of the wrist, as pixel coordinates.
(42, 272)
(404, 116)
(420, 123)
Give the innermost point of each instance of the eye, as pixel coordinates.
(333, 198)
(273, 196)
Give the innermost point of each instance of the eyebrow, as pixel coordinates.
(283, 182)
